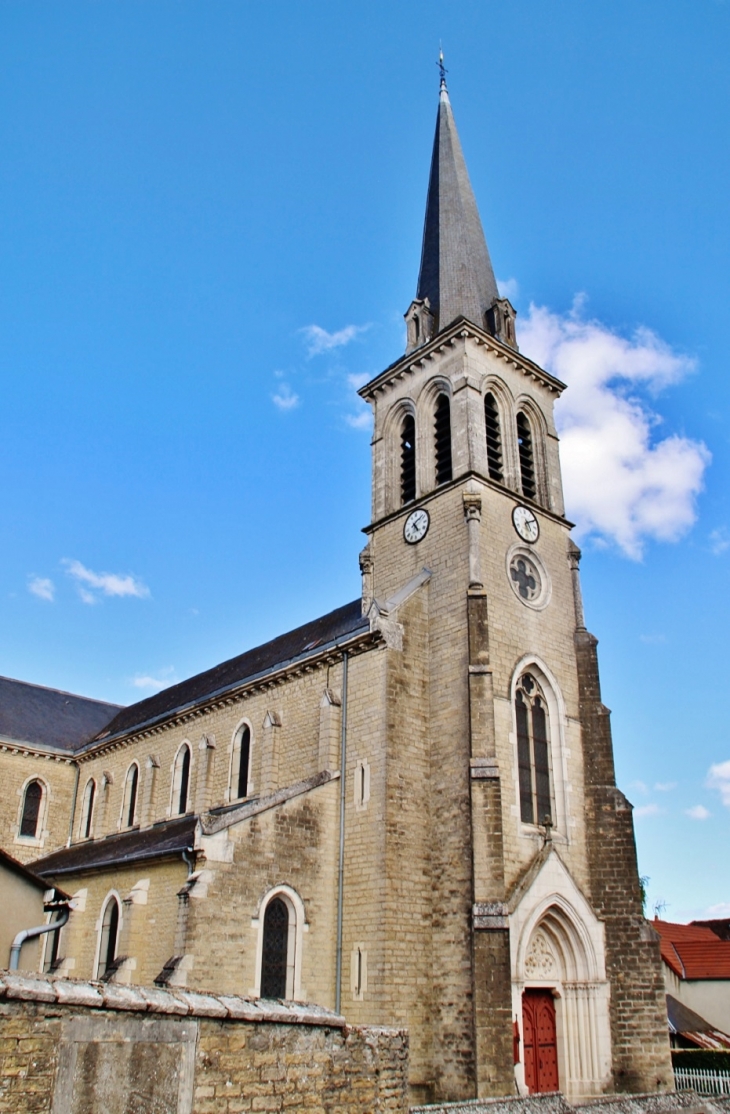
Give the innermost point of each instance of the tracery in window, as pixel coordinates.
(181, 781)
(240, 767)
(131, 785)
(275, 950)
(494, 438)
(87, 811)
(527, 458)
(442, 435)
(533, 751)
(108, 939)
(30, 817)
(408, 459)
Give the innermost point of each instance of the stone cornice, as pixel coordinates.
(461, 329)
(29, 750)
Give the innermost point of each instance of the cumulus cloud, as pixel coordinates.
(508, 288)
(698, 812)
(155, 684)
(719, 541)
(718, 777)
(285, 398)
(92, 585)
(318, 340)
(362, 420)
(42, 587)
(716, 912)
(647, 810)
(623, 485)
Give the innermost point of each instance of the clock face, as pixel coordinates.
(525, 524)
(416, 526)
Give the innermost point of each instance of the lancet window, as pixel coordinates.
(31, 815)
(241, 762)
(275, 950)
(533, 751)
(442, 433)
(408, 459)
(131, 785)
(494, 438)
(87, 811)
(181, 781)
(527, 455)
(108, 938)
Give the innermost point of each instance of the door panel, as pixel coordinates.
(540, 1044)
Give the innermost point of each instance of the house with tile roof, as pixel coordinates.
(696, 964)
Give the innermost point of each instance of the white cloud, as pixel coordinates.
(698, 812)
(285, 398)
(155, 684)
(640, 787)
(358, 379)
(622, 485)
(42, 587)
(718, 777)
(89, 583)
(319, 340)
(363, 420)
(647, 810)
(716, 912)
(719, 541)
(508, 288)
(665, 786)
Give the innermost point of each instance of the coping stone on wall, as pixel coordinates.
(116, 996)
(682, 1102)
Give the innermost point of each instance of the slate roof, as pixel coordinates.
(49, 718)
(693, 951)
(456, 272)
(296, 645)
(160, 841)
(688, 1024)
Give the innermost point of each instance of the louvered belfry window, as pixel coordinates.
(31, 810)
(533, 752)
(527, 459)
(442, 430)
(494, 439)
(408, 459)
(275, 950)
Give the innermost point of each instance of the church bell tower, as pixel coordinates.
(524, 873)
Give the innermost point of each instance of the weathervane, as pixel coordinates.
(442, 68)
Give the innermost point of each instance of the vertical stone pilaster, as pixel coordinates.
(206, 750)
(270, 753)
(151, 774)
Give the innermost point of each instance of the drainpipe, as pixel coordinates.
(31, 933)
(341, 869)
(188, 857)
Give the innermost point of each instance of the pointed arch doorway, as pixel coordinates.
(540, 1041)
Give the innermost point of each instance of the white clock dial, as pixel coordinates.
(416, 526)
(526, 524)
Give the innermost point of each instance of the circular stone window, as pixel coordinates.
(528, 577)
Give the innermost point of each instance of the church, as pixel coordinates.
(405, 810)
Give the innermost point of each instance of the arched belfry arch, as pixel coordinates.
(391, 438)
(558, 948)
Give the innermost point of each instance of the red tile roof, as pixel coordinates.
(692, 951)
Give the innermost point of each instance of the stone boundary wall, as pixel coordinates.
(682, 1102)
(72, 1047)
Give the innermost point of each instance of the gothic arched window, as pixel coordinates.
(181, 781)
(108, 938)
(131, 785)
(30, 817)
(408, 459)
(87, 811)
(533, 751)
(442, 431)
(275, 950)
(494, 438)
(241, 762)
(527, 457)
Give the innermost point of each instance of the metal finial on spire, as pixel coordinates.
(442, 68)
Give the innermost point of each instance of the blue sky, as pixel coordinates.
(210, 218)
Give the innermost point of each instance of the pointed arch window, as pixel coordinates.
(181, 781)
(241, 763)
(87, 811)
(131, 785)
(275, 951)
(408, 459)
(108, 938)
(442, 433)
(494, 438)
(527, 456)
(31, 814)
(533, 751)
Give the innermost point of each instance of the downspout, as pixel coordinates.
(73, 806)
(31, 933)
(341, 868)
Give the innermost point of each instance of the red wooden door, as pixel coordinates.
(540, 1041)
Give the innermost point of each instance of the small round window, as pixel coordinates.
(528, 577)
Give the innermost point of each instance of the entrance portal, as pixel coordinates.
(540, 1041)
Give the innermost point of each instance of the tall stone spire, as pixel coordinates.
(456, 273)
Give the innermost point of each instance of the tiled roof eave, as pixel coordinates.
(358, 642)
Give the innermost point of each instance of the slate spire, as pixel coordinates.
(456, 272)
